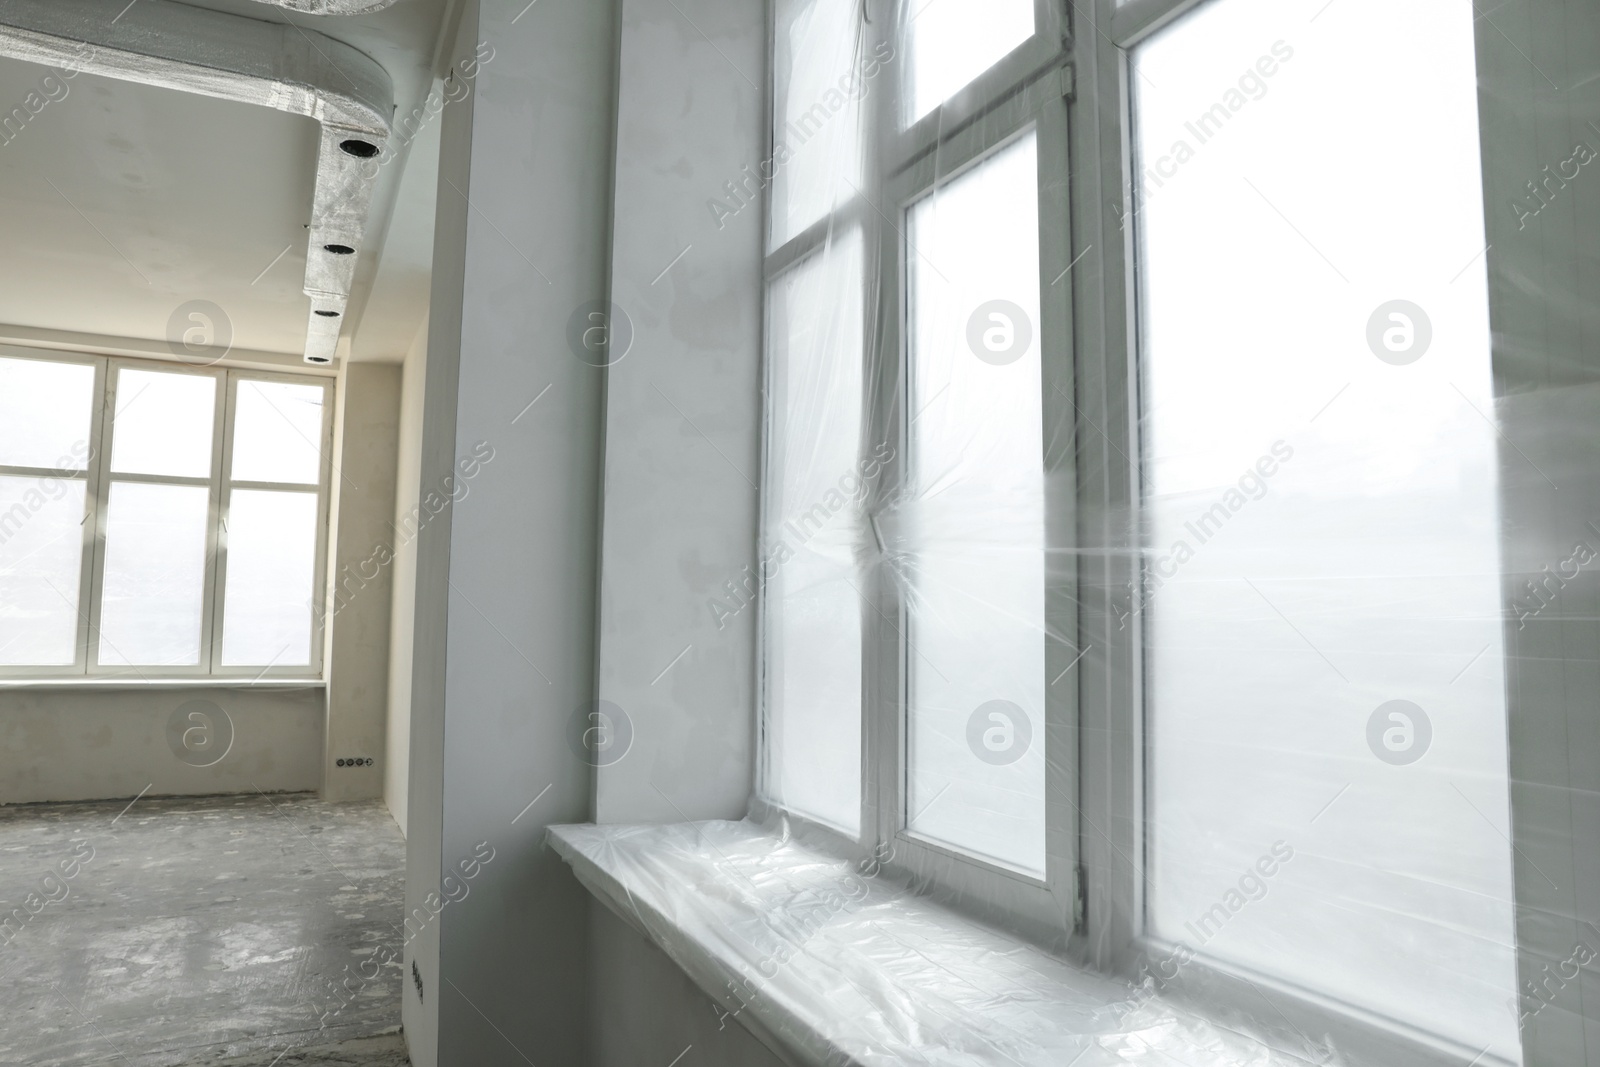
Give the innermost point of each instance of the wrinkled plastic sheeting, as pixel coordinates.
(1313, 573)
(831, 964)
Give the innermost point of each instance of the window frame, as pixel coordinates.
(324, 503)
(1106, 732)
(1113, 794)
(219, 483)
(1024, 91)
(101, 515)
(90, 476)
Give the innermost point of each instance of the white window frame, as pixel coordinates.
(1112, 793)
(1024, 91)
(1100, 802)
(90, 476)
(220, 484)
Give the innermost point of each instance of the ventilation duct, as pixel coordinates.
(331, 7)
(158, 42)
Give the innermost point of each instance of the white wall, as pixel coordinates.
(403, 609)
(504, 648)
(683, 421)
(650, 1012)
(683, 412)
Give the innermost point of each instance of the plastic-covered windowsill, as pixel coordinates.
(827, 965)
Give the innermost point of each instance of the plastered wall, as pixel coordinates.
(403, 612)
(683, 414)
(361, 575)
(99, 743)
(504, 654)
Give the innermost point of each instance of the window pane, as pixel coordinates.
(1323, 617)
(277, 432)
(272, 563)
(155, 569)
(954, 41)
(45, 413)
(821, 77)
(41, 558)
(163, 423)
(816, 481)
(975, 554)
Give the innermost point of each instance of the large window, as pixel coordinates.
(158, 520)
(913, 464)
(1131, 571)
(1322, 592)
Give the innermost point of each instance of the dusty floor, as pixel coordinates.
(200, 931)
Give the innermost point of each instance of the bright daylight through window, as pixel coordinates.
(1314, 605)
(1321, 511)
(159, 521)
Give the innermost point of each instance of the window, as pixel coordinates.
(159, 520)
(913, 464)
(1321, 512)
(1121, 563)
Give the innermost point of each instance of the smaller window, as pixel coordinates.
(159, 518)
(975, 721)
(817, 480)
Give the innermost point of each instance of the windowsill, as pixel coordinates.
(82, 682)
(826, 965)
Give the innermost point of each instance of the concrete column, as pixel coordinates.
(361, 576)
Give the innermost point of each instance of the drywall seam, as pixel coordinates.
(194, 50)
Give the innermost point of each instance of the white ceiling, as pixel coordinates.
(124, 201)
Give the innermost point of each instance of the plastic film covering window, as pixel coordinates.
(1324, 651)
(830, 962)
(1354, 569)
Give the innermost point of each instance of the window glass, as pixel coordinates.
(277, 432)
(155, 570)
(163, 423)
(45, 413)
(974, 558)
(41, 556)
(821, 77)
(1326, 715)
(817, 480)
(272, 559)
(954, 41)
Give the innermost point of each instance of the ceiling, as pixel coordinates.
(123, 202)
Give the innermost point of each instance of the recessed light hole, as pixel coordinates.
(359, 149)
(339, 250)
(326, 314)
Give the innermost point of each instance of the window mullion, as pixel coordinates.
(93, 509)
(95, 538)
(883, 671)
(222, 494)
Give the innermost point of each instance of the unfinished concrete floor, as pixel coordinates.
(200, 930)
